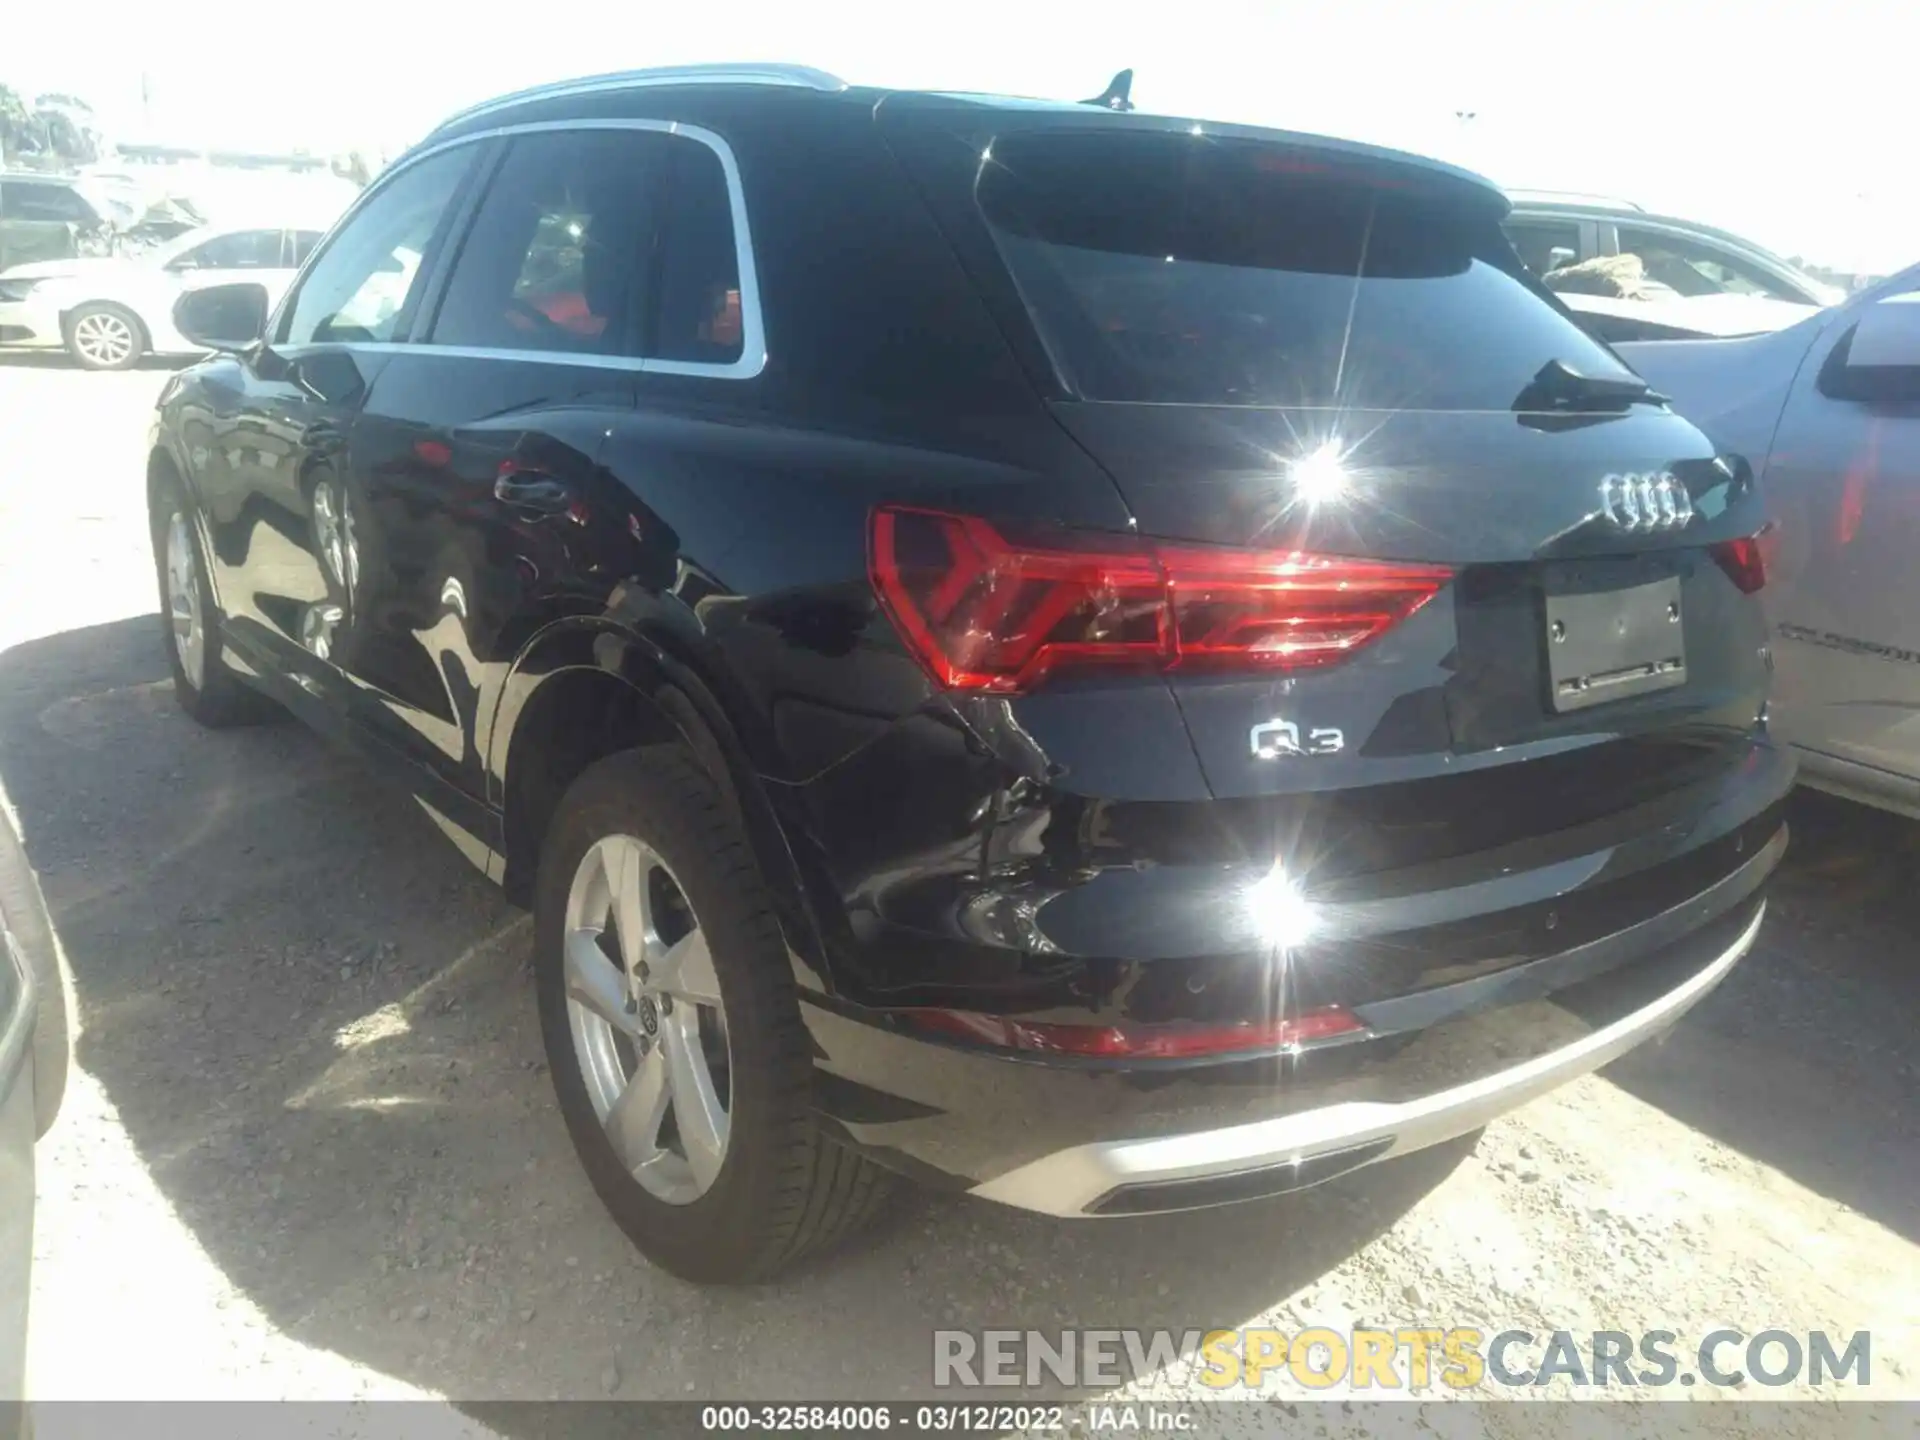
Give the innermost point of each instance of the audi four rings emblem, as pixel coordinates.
(1646, 502)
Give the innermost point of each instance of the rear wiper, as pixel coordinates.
(1558, 386)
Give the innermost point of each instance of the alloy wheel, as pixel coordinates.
(649, 1029)
(104, 338)
(183, 600)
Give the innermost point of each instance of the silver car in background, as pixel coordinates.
(1828, 411)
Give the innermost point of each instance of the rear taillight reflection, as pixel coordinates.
(986, 613)
(1746, 560)
(1136, 1042)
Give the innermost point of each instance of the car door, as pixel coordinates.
(270, 457)
(477, 448)
(1844, 480)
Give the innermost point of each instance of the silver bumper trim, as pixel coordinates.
(1068, 1181)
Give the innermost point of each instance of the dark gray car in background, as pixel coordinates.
(33, 1075)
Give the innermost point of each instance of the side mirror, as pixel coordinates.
(1880, 358)
(222, 317)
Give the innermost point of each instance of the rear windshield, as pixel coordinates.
(1211, 271)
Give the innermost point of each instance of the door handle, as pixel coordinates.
(530, 490)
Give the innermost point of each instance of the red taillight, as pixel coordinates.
(982, 614)
(1129, 1042)
(986, 613)
(1746, 559)
(1236, 609)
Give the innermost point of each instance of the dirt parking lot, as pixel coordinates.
(310, 1149)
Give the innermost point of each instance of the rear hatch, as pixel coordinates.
(1452, 584)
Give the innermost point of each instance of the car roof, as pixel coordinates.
(804, 78)
(1636, 216)
(1570, 200)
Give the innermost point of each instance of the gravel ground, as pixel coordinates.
(310, 1149)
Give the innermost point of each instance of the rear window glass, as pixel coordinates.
(1212, 271)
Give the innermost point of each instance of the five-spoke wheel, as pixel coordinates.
(649, 1026)
(673, 1026)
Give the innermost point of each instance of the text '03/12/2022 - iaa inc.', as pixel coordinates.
(1039, 735)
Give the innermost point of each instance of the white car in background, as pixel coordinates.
(1828, 412)
(107, 312)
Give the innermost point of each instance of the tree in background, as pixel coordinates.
(57, 130)
(14, 119)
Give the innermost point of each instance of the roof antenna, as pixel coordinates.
(1115, 96)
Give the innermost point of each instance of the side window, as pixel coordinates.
(561, 247)
(699, 316)
(359, 284)
(58, 203)
(1686, 266)
(1545, 245)
(300, 244)
(242, 250)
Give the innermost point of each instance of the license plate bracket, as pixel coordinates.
(1608, 644)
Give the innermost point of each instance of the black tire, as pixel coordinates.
(118, 313)
(220, 699)
(25, 909)
(784, 1188)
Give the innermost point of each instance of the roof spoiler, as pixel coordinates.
(1117, 95)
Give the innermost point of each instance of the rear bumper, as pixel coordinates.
(1095, 1137)
(1269, 1157)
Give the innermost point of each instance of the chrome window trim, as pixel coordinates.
(476, 352)
(800, 77)
(753, 345)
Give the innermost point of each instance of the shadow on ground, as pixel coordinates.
(316, 1024)
(1807, 1057)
